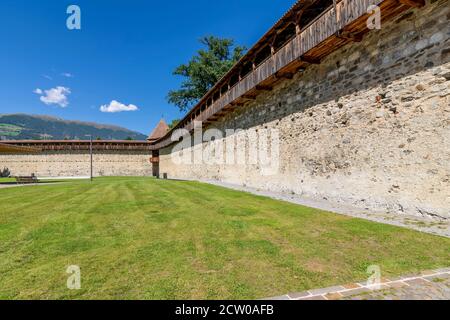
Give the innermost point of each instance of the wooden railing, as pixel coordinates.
(318, 31)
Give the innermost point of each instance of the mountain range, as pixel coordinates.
(38, 127)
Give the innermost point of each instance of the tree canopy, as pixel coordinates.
(204, 70)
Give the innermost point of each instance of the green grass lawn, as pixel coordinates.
(139, 238)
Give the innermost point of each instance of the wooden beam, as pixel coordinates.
(413, 3)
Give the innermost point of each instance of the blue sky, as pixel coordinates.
(125, 52)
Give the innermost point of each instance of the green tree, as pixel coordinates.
(204, 70)
(129, 138)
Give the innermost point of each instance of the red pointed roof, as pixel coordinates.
(160, 131)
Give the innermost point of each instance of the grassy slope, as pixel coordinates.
(149, 239)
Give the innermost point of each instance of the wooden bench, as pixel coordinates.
(26, 180)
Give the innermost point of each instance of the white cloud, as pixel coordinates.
(116, 106)
(67, 75)
(56, 96)
(47, 77)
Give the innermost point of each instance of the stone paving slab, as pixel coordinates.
(428, 285)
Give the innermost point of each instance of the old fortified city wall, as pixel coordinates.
(368, 126)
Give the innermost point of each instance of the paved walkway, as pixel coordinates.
(429, 285)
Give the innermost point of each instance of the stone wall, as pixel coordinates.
(77, 163)
(369, 126)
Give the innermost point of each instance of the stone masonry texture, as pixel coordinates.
(369, 126)
(77, 163)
